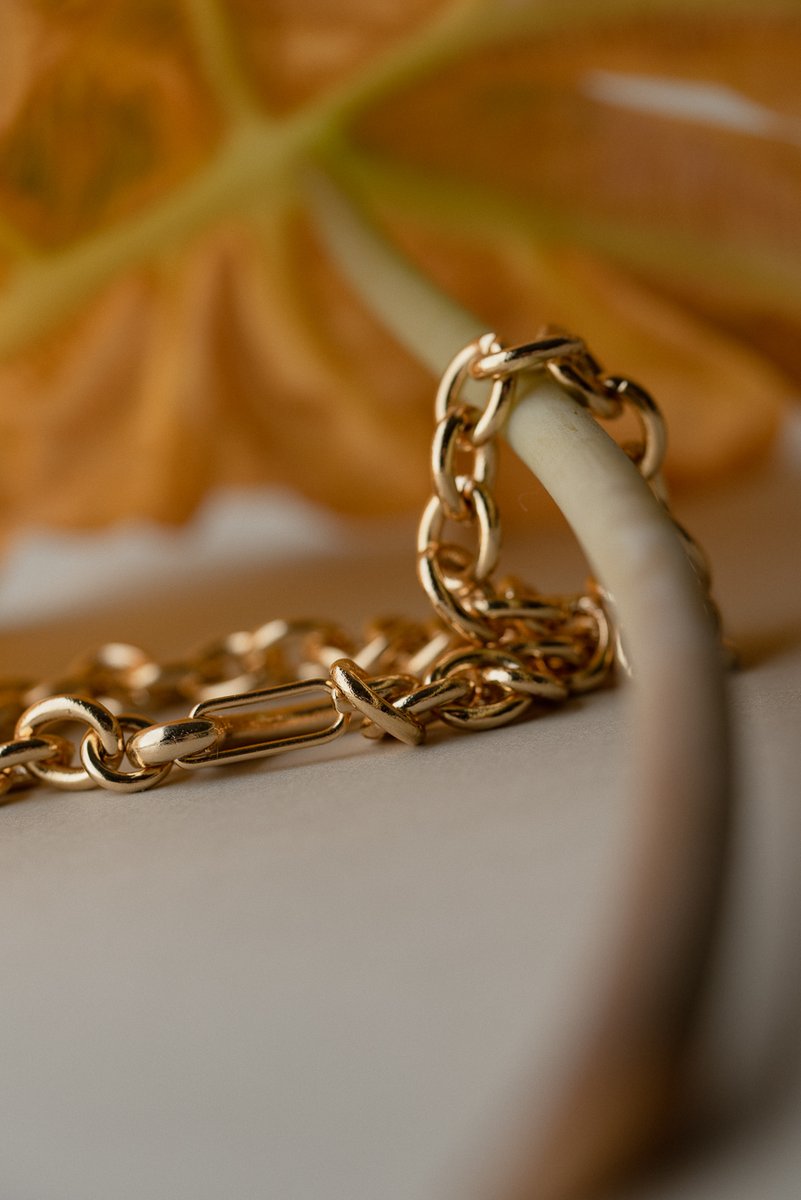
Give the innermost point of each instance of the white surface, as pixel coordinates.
(343, 978)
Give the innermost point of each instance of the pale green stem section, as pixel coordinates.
(618, 1082)
(255, 157)
(217, 52)
(50, 289)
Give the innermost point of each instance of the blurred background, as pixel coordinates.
(204, 422)
(171, 321)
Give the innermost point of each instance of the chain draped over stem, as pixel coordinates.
(493, 652)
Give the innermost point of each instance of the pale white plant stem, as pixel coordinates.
(622, 1078)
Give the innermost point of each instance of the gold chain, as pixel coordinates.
(494, 652)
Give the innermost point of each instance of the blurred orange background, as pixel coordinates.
(171, 319)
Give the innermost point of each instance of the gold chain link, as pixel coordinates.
(494, 652)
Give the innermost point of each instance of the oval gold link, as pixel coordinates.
(462, 367)
(480, 715)
(484, 513)
(523, 609)
(116, 657)
(428, 697)
(115, 671)
(296, 649)
(17, 753)
(593, 674)
(421, 700)
(451, 435)
(222, 666)
(531, 356)
(250, 733)
(530, 683)
(489, 530)
(557, 651)
(155, 745)
(170, 683)
(429, 530)
(390, 643)
(606, 600)
(351, 683)
(71, 708)
(106, 775)
(649, 456)
(495, 413)
(447, 604)
(39, 748)
(273, 633)
(580, 377)
(506, 666)
(457, 372)
(392, 688)
(491, 715)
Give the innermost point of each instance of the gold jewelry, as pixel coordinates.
(493, 653)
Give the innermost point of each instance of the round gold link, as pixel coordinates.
(105, 775)
(71, 708)
(155, 745)
(351, 683)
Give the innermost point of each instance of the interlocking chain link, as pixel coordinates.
(495, 650)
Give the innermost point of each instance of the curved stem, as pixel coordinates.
(622, 1080)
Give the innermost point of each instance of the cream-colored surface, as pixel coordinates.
(346, 975)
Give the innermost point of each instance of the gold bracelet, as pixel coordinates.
(493, 652)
